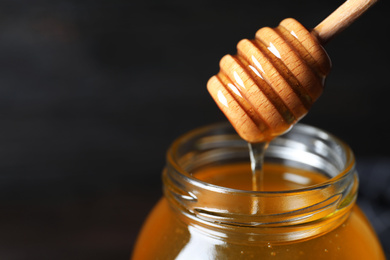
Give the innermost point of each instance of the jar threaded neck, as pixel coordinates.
(285, 215)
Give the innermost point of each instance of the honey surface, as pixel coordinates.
(276, 177)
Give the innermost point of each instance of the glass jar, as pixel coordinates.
(208, 211)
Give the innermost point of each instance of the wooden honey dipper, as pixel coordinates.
(274, 79)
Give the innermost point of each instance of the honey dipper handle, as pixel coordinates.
(340, 19)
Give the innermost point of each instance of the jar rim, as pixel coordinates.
(267, 215)
(348, 164)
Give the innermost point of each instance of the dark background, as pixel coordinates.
(93, 92)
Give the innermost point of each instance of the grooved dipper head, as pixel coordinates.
(271, 82)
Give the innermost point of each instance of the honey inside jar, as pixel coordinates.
(306, 211)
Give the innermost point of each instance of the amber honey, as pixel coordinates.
(303, 212)
(167, 237)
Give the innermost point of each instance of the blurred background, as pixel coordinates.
(92, 93)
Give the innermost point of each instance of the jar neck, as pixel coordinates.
(281, 215)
